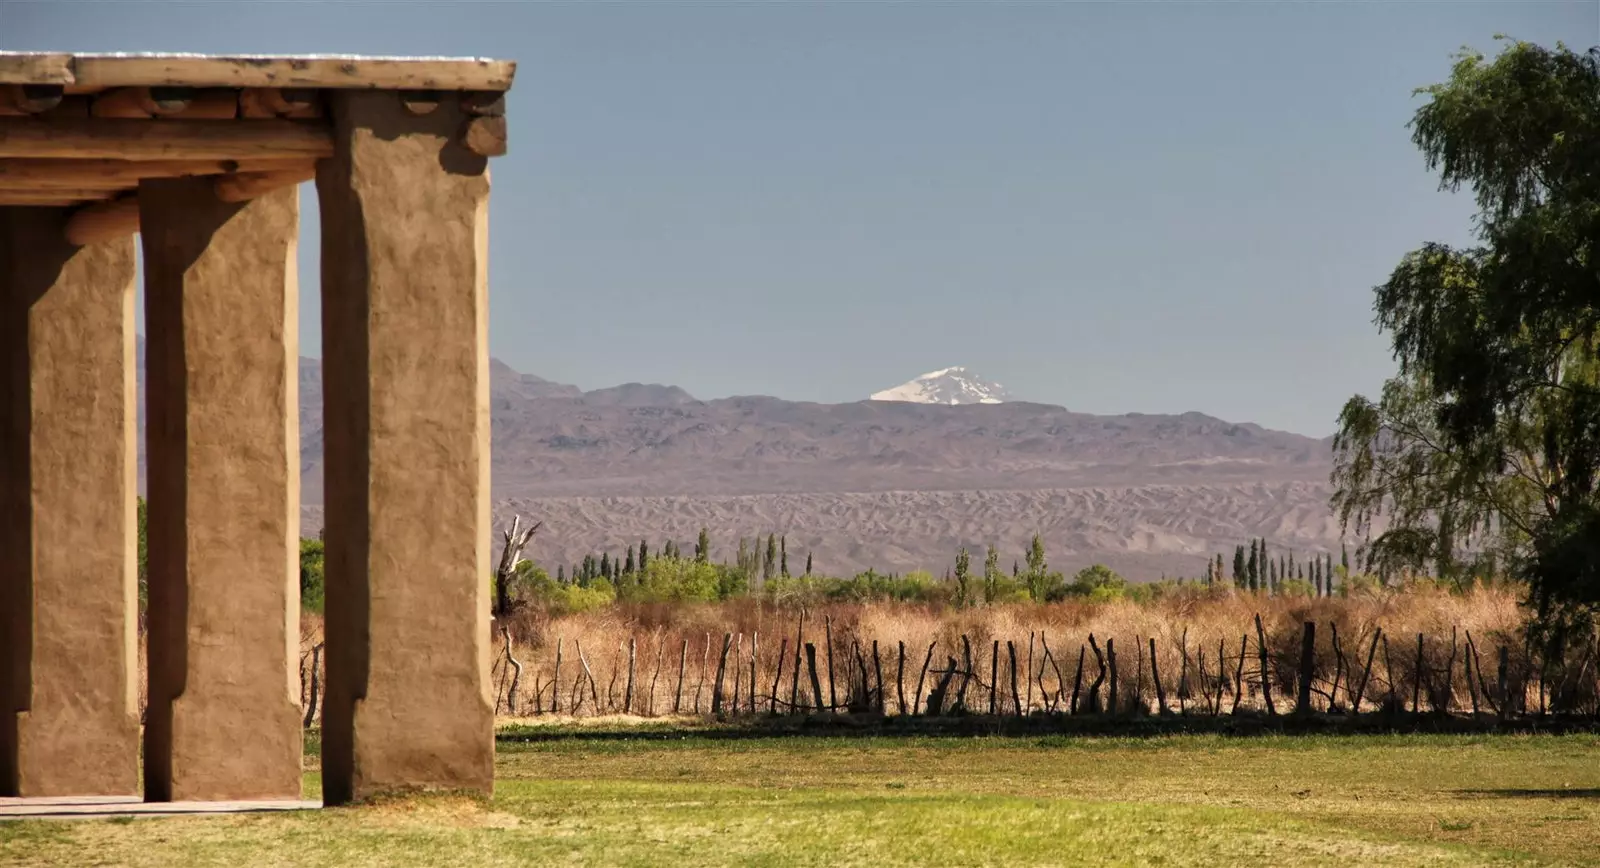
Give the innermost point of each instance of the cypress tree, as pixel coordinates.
(783, 556)
(702, 547)
(1253, 568)
(1344, 558)
(561, 574)
(808, 563)
(605, 565)
(771, 559)
(1239, 574)
(644, 556)
(627, 568)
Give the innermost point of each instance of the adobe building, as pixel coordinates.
(197, 159)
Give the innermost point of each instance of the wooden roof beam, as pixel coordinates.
(44, 173)
(105, 138)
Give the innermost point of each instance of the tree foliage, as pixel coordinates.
(1486, 444)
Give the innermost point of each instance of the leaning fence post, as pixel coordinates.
(777, 675)
(1308, 650)
(1366, 673)
(816, 683)
(1266, 680)
(922, 678)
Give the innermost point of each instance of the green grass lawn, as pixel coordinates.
(697, 799)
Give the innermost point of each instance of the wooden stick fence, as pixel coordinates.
(1249, 677)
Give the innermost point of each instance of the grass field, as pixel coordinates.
(658, 797)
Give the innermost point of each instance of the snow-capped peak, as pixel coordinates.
(948, 386)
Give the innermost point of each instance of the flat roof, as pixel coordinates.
(94, 72)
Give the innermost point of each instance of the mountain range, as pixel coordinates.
(888, 483)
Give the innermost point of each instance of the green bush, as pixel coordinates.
(312, 586)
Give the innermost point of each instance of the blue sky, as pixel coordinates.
(1116, 207)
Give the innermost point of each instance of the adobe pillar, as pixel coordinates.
(69, 720)
(224, 497)
(404, 294)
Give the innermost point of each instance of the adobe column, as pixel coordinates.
(69, 718)
(224, 493)
(404, 294)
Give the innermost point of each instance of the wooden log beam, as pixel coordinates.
(35, 98)
(273, 102)
(103, 221)
(485, 136)
(167, 102)
(103, 138)
(43, 173)
(53, 197)
(13, 185)
(141, 102)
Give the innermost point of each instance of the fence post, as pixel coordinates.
(1029, 678)
(799, 643)
(816, 683)
(1016, 698)
(755, 637)
(1111, 662)
(627, 692)
(1155, 675)
(966, 671)
(777, 675)
(555, 677)
(900, 678)
(1308, 652)
(1183, 672)
(994, 673)
(722, 668)
(1416, 681)
(1338, 668)
(1468, 663)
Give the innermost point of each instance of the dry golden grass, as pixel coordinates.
(663, 636)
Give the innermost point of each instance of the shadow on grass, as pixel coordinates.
(848, 726)
(1518, 793)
